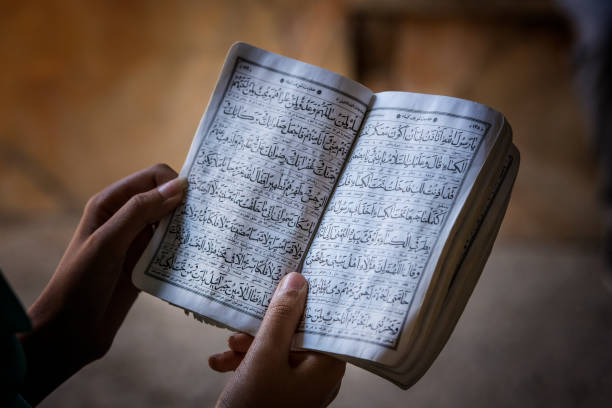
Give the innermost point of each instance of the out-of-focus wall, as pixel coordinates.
(517, 60)
(94, 91)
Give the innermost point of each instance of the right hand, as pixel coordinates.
(269, 375)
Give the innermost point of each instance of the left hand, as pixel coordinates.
(76, 317)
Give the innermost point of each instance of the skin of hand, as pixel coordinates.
(76, 317)
(267, 373)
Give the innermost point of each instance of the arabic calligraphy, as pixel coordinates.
(382, 223)
(258, 185)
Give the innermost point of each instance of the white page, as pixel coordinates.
(473, 261)
(376, 249)
(261, 168)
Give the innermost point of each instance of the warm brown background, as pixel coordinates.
(92, 91)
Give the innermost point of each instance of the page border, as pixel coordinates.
(204, 137)
(484, 136)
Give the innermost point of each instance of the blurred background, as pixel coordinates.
(93, 91)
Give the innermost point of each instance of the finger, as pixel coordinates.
(125, 292)
(323, 365)
(240, 342)
(224, 362)
(104, 204)
(297, 357)
(273, 339)
(118, 233)
(332, 395)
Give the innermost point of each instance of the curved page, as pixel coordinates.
(374, 255)
(261, 169)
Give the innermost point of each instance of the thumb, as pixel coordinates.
(273, 339)
(139, 211)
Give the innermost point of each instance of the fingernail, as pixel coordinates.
(292, 284)
(173, 187)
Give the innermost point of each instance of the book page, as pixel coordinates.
(261, 169)
(374, 254)
(480, 240)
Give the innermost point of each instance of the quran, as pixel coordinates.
(388, 203)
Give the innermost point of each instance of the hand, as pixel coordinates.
(267, 373)
(76, 317)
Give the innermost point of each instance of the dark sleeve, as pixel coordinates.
(13, 320)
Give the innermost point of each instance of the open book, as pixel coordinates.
(387, 203)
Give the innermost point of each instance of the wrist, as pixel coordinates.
(53, 352)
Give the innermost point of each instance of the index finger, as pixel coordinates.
(240, 342)
(322, 365)
(104, 204)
